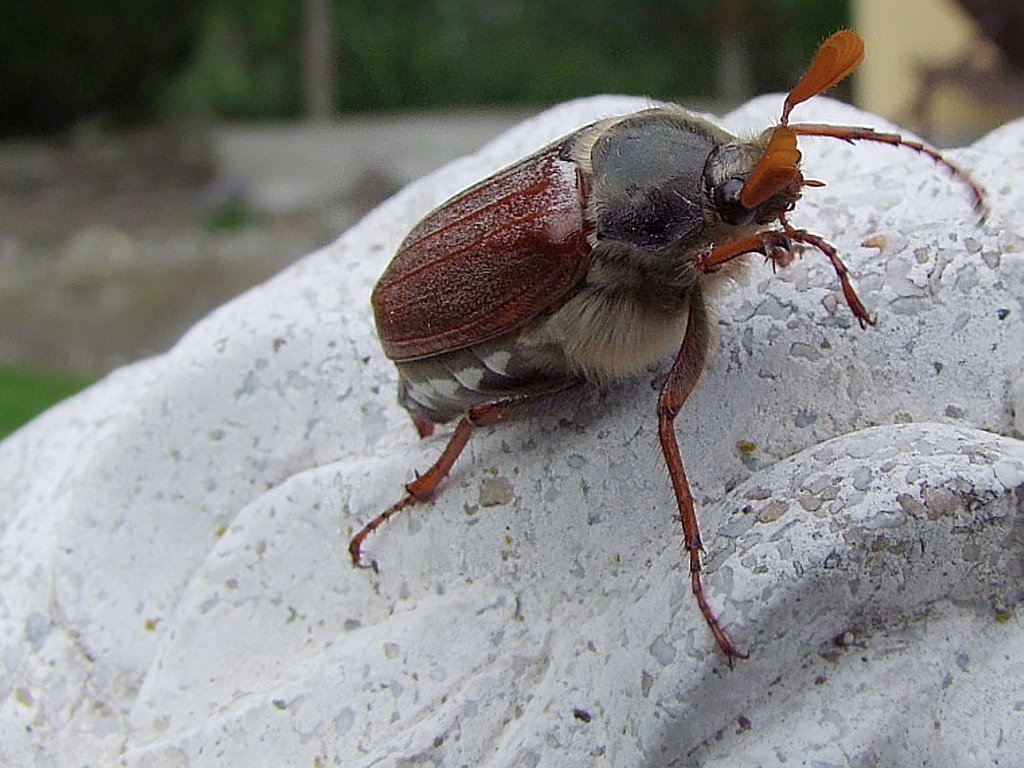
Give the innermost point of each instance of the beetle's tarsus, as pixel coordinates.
(422, 488)
(853, 134)
(721, 636)
(355, 546)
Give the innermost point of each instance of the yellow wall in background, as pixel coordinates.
(901, 37)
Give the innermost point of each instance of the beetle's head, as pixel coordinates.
(758, 181)
(730, 168)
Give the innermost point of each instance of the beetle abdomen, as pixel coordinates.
(443, 387)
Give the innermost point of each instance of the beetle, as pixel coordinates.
(591, 259)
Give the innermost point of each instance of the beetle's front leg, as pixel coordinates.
(682, 378)
(775, 246)
(489, 413)
(779, 248)
(852, 299)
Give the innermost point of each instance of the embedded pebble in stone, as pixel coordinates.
(805, 351)
(862, 478)
(1016, 396)
(881, 242)
(496, 491)
(772, 512)
(773, 308)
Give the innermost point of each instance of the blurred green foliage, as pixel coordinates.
(528, 52)
(25, 394)
(61, 60)
(245, 64)
(428, 53)
(231, 216)
(65, 60)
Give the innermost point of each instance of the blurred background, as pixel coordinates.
(158, 158)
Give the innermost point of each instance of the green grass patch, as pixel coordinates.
(230, 217)
(26, 394)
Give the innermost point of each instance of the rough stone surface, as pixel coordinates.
(176, 589)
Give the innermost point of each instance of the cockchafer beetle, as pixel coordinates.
(589, 260)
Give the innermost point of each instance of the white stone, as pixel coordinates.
(176, 588)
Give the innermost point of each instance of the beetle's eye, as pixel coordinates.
(728, 205)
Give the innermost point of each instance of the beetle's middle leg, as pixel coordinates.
(489, 413)
(682, 378)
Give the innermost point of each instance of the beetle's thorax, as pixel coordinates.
(644, 180)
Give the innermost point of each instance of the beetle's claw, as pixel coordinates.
(355, 551)
(372, 565)
(700, 259)
(778, 249)
(732, 654)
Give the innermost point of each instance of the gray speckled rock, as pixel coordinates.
(176, 589)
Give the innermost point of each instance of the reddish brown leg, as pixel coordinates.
(422, 488)
(682, 378)
(418, 490)
(424, 426)
(777, 247)
(852, 299)
(771, 244)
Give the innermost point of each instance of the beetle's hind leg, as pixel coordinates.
(489, 413)
(419, 489)
(424, 426)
